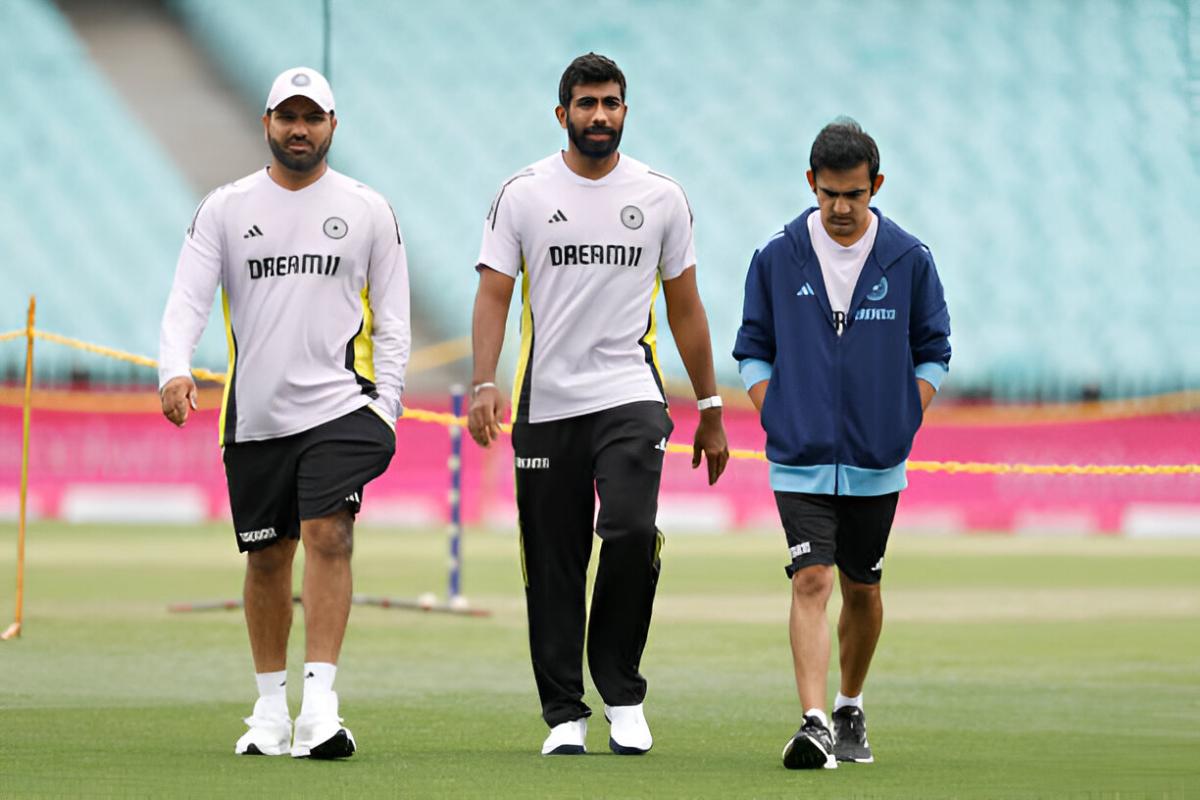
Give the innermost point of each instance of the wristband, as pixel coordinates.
(709, 402)
(486, 385)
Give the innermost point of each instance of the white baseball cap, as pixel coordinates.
(303, 82)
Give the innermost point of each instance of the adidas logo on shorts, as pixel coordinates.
(260, 535)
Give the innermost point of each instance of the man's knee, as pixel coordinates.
(813, 583)
(329, 537)
(626, 529)
(271, 559)
(860, 595)
(627, 517)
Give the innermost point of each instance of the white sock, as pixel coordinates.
(819, 714)
(272, 687)
(319, 675)
(842, 701)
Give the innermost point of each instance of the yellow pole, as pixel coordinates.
(14, 630)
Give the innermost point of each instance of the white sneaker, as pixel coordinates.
(629, 735)
(270, 732)
(319, 731)
(567, 739)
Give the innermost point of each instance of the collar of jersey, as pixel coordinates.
(575, 177)
(266, 173)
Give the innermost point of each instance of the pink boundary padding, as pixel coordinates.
(72, 449)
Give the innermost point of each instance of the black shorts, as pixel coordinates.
(851, 532)
(275, 483)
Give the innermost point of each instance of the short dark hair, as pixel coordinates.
(590, 68)
(843, 145)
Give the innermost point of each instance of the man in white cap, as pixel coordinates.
(314, 288)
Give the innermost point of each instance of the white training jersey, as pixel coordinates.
(840, 265)
(591, 254)
(314, 286)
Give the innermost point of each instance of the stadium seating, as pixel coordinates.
(91, 213)
(1046, 152)
(1043, 150)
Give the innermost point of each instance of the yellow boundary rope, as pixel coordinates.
(446, 352)
(453, 350)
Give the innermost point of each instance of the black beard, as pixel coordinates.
(592, 149)
(301, 164)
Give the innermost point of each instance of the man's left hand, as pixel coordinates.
(710, 440)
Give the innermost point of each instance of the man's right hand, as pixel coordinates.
(483, 419)
(758, 395)
(178, 399)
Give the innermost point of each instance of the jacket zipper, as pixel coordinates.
(837, 405)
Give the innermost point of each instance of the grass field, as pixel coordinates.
(1008, 668)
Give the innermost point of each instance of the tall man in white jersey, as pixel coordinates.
(314, 286)
(593, 235)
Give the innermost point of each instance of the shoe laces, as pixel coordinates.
(267, 722)
(850, 725)
(813, 727)
(308, 718)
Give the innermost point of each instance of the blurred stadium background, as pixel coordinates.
(1048, 153)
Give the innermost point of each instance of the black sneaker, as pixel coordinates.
(850, 730)
(811, 747)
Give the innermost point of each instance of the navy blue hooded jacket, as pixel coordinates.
(841, 411)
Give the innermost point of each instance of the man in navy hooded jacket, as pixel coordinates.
(844, 341)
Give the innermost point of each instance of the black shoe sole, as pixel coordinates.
(252, 750)
(336, 746)
(622, 750)
(568, 750)
(804, 753)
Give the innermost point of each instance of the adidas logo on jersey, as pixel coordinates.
(806, 291)
(558, 216)
(250, 234)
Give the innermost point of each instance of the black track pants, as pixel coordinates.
(562, 466)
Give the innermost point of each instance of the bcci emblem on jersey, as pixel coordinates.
(335, 227)
(632, 217)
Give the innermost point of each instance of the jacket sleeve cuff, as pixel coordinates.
(754, 370)
(932, 372)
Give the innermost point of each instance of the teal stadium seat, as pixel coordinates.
(1046, 152)
(1043, 150)
(92, 213)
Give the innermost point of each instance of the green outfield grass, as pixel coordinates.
(1008, 668)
